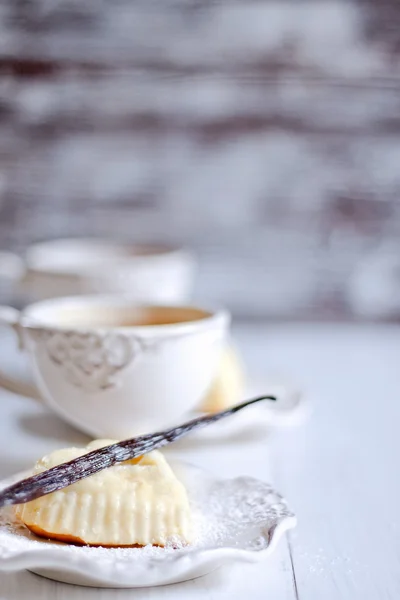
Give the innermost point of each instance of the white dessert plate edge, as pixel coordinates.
(248, 518)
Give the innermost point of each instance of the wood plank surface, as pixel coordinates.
(262, 133)
(340, 469)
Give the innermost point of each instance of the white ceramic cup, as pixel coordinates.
(99, 365)
(61, 267)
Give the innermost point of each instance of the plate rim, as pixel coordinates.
(104, 570)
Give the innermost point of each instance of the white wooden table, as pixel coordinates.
(339, 471)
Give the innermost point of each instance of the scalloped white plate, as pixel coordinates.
(237, 520)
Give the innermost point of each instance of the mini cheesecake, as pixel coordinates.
(135, 503)
(227, 388)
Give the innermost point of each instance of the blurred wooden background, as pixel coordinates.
(264, 134)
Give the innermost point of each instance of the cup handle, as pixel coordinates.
(9, 317)
(11, 266)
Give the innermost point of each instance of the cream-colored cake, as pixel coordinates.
(228, 386)
(135, 503)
